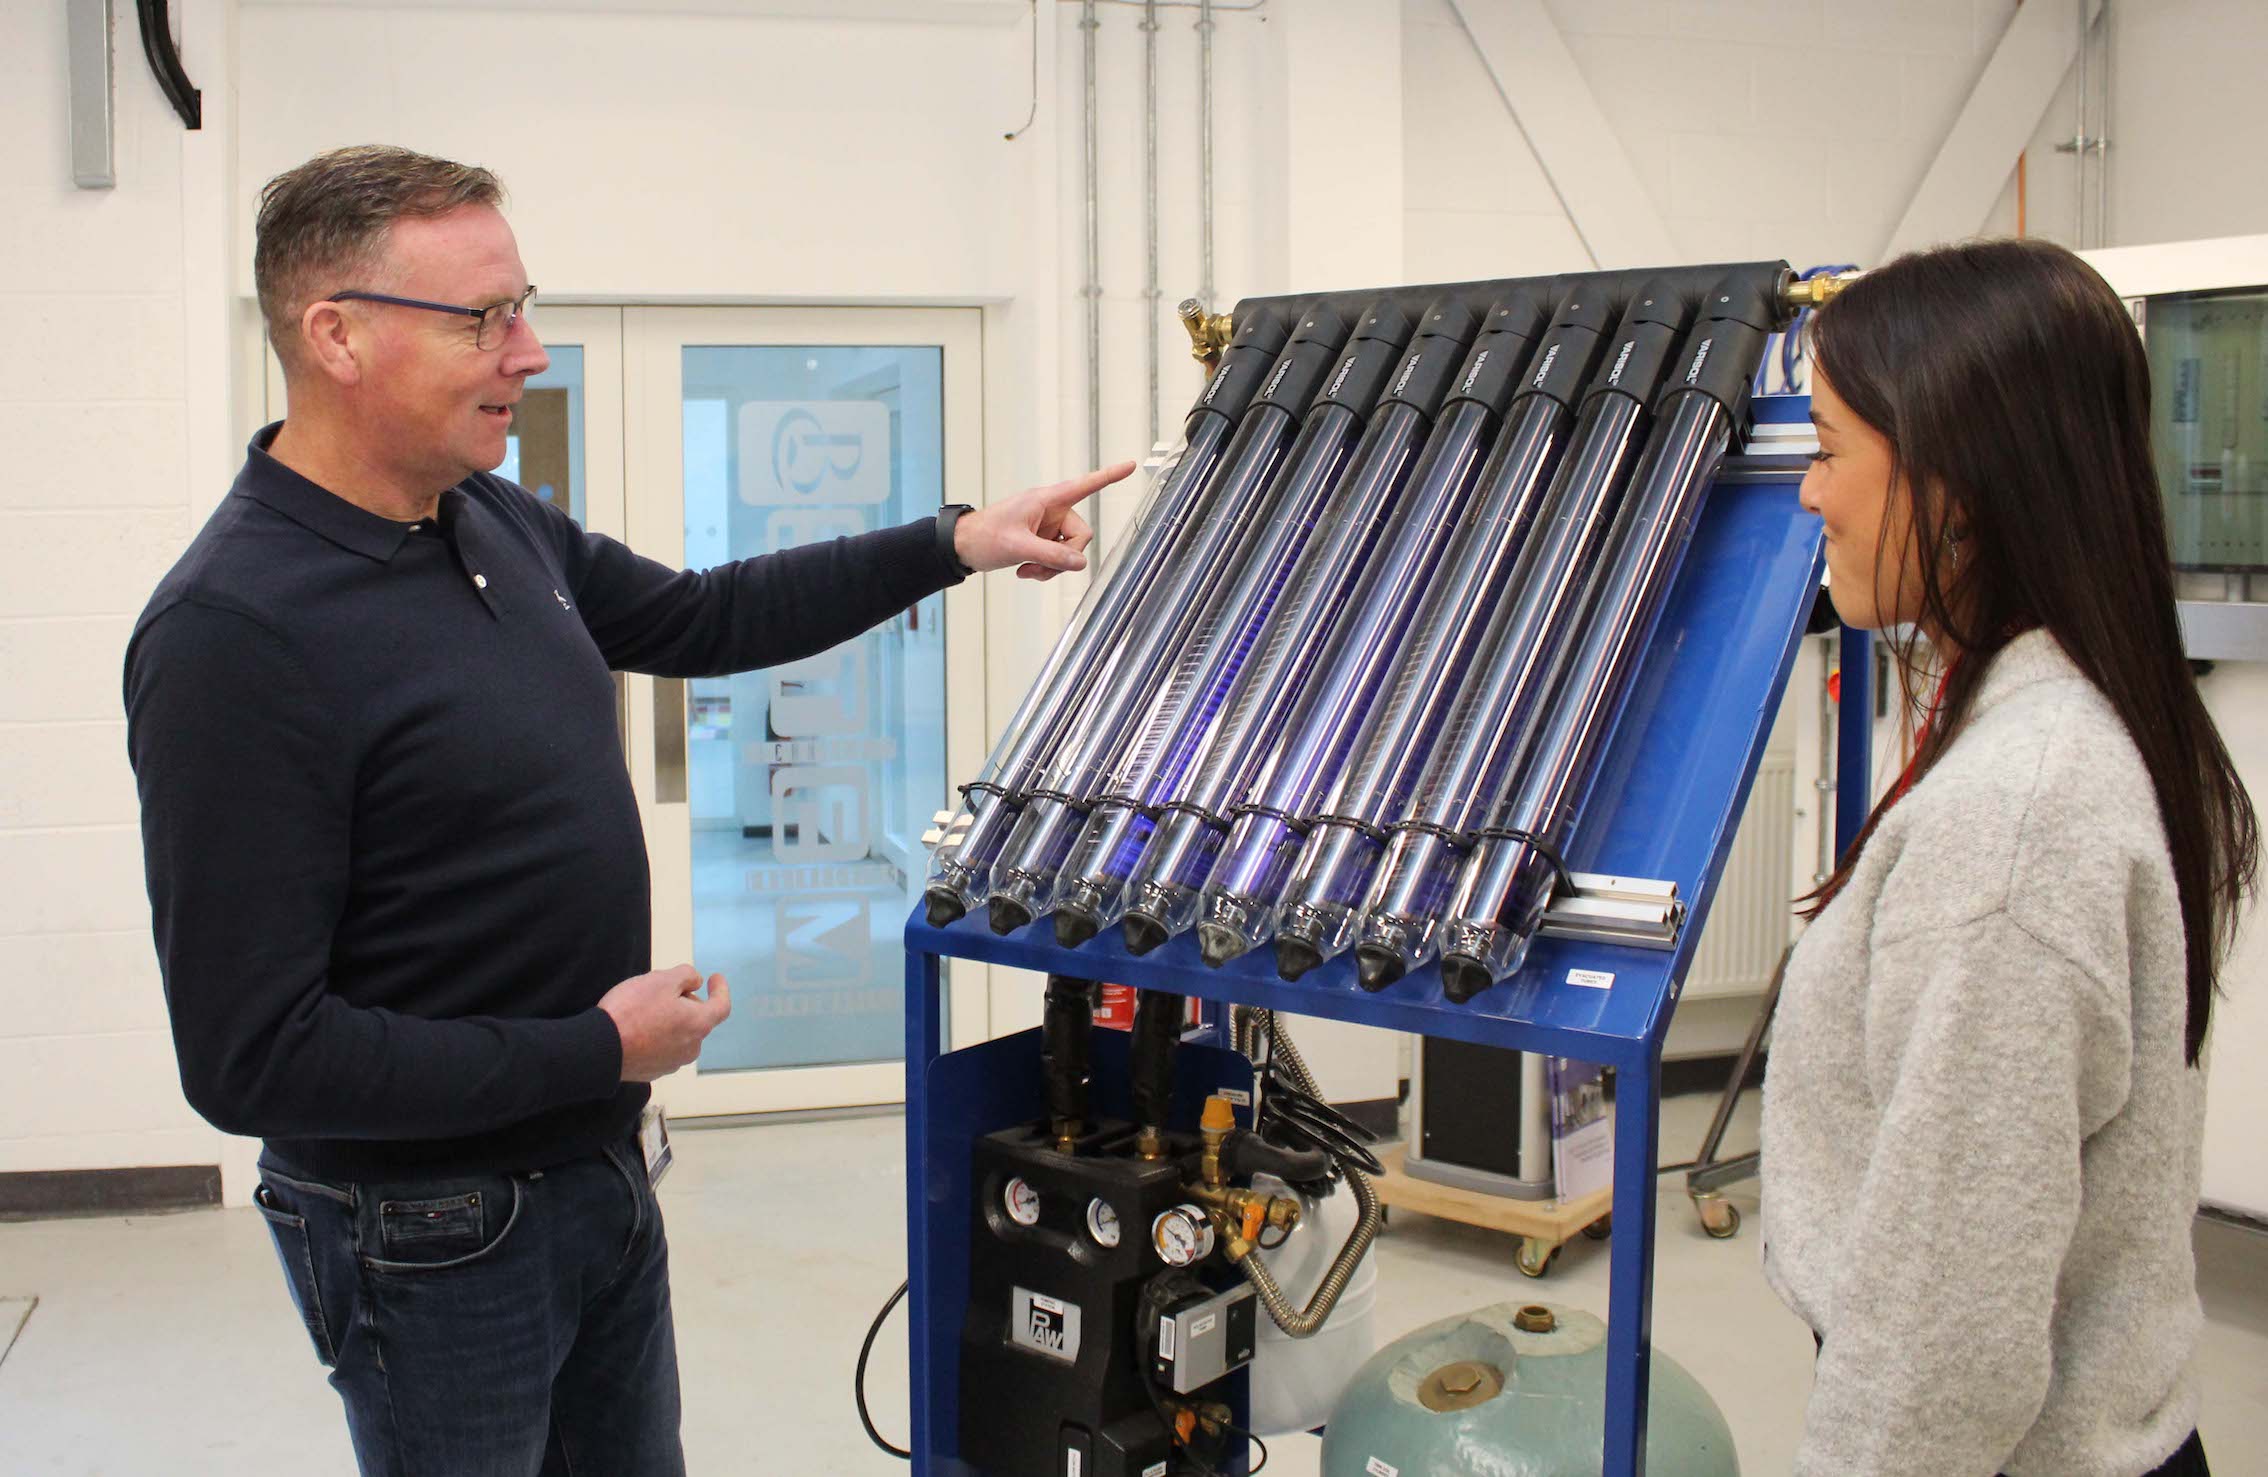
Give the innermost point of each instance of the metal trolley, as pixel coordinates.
(1664, 807)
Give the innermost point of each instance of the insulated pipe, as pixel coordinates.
(1182, 502)
(1090, 887)
(1158, 1015)
(1125, 674)
(1514, 870)
(1067, 1023)
(1359, 762)
(1396, 490)
(1275, 649)
(1528, 644)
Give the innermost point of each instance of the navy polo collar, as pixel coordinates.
(316, 508)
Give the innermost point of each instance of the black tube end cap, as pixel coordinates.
(1376, 968)
(1449, 318)
(1008, 915)
(1383, 320)
(1295, 957)
(1217, 945)
(1073, 929)
(1462, 979)
(1143, 934)
(943, 908)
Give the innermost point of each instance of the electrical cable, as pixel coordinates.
(858, 1380)
(1020, 129)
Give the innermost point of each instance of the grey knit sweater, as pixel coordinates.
(1980, 1140)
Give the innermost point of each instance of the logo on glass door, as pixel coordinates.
(814, 452)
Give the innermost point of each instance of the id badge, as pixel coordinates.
(653, 1142)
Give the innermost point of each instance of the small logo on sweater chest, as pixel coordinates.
(562, 599)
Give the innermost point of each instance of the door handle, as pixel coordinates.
(669, 740)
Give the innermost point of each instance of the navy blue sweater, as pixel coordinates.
(392, 851)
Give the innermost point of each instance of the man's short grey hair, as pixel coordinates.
(322, 225)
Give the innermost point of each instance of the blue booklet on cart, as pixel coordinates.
(1582, 1128)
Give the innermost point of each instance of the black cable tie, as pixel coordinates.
(986, 787)
(1462, 840)
(1060, 797)
(1134, 803)
(1298, 825)
(1211, 818)
(1541, 847)
(1352, 822)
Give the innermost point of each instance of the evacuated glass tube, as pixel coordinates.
(1506, 876)
(1506, 886)
(1501, 696)
(1024, 881)
(1351, 763)
(1090, 892)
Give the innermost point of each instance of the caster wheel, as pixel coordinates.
(1600, 1229)
(1534, 1257)
(1719, 1217)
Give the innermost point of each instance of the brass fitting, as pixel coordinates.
(1797, 293)
(1208, 332)
(1217, 1123)
(1067, 1131)
(1149, 1144)
(1235, 1212)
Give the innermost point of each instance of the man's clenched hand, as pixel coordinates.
(663, 1020)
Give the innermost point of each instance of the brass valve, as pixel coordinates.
(1241, 1215)
(1814, 292)
(1208, 332)
(1217, 1123)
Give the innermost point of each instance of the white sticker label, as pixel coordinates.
(1165, 1338)
(1071, 1463)
(1236, 1095)
(1203, 1325)
(1595, 979)
(1378, 1468)
(1154, 1469)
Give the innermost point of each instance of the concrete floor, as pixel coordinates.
(165, 1346)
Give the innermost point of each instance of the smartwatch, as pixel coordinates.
(949, 517)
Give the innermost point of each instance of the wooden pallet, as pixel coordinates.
(1543, 1226)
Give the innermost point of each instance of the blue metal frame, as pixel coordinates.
(1666, 805)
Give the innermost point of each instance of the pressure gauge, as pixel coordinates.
(1182, 1235)
(1023, 1203)
(1102, 1222)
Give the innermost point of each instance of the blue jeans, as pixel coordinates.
(505, 1325)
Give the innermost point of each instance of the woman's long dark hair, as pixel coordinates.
(2014, 393)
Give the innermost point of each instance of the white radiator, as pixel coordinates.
(1752, 919)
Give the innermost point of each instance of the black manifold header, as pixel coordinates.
(1756, 285)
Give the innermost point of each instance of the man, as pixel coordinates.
(395, 867)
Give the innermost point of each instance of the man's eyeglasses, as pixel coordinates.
(496, 320)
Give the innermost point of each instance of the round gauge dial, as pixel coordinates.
(1181, 1236)
(1102, 1222)
(1023, 1203)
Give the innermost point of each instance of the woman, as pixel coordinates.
(1986, 1096)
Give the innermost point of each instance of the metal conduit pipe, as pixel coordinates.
(1150, 293)
(1305, 1322)
(1088, 24)
(1205, 149)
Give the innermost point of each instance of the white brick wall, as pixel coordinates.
(93, 392)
